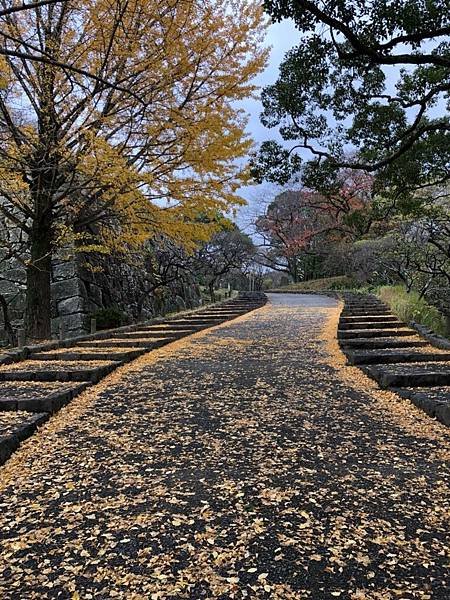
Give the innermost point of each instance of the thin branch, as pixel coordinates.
(22, 7)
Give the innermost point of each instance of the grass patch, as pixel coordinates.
(341, 282)
(410, 307)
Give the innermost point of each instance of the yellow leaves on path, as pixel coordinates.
(247, 474)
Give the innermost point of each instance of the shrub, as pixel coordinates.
(410, 307)
(110, 317)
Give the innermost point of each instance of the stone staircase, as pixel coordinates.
(53, 374)
(395, 355)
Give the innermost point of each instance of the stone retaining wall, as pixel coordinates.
(77, 292)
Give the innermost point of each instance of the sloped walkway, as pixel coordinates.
(243, 462)
(42, 379)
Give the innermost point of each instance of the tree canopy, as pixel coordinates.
(299, 225)
(366, 87)
(228, 250)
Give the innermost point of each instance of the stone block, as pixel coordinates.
(65, 289)
(69, 306)
(62, 271)
(17, 274)
(443, 413)
(8, 444)
(8, 404)
(36, 405)
(76, 322)
(17, 303)
(83, 290)
(8, 287)
(95, 297)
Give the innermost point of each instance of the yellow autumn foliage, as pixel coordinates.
(126, 121)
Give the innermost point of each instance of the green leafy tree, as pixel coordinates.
(367, 88)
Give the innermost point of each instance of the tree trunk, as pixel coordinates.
(38, 313)
(44, 168)
(9, 331)
(45, 179)
(211, 291)
(293, 269)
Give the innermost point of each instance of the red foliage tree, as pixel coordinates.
(297, 223)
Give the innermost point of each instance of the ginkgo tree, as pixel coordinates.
(128, 126)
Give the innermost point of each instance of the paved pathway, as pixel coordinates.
(244, 462)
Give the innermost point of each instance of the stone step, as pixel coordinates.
(366, 310)
(440, 394)
(200, 318)
(241, 301)
(244, 306)
(365, 305)
(162, 328)
(395, 355)
(89, 354)
(409, 375)
(40, 385)
(225, 313)
(383, 342)
(35, 396)
(376, 309)
(435, 401)
(34, 370)
(16, 427)
(363, 300)
(186, 324)
(366, 313)
(172, 334)
(219, 311)
(221, 315)
(368, 318)
(375, 333)
(224, 318)
(371, 325)
(149, 343)
(214, 319)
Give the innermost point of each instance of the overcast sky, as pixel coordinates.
(282, 37)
